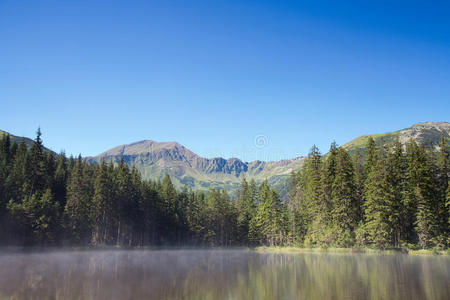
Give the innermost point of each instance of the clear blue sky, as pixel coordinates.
(212, 75)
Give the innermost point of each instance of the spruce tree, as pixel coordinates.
(421, 196)
(44, 214)
(376, 207)
(316, 205)
(77, 209)
(442, 179)
(102, 206)
(345, 209)
(37, 176)
(245, 210)
(371, 155)
(396, 179)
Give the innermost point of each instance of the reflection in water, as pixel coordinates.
(217, 274)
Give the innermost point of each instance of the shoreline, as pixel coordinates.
(260, 249)
(286, 249)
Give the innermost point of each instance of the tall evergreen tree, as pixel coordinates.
(246, 211)
(421, 196)
(442, 182)
(371, 155)
(376, 210)
(77, 209)
(102, 206)
(396, 180)
(37, 176)
(343, 199)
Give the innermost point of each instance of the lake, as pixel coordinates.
(221, 274)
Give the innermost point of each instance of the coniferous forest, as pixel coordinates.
(389, 196)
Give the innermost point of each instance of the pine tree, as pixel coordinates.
(262, 224)
(421, 196)
(60, 180)
(329, 173)
(442, 179)
(396, 179)
(371, 156)
(246, 210)
(77, 209)
(170, 217)
(376, 210)
(123, 199)
(102, 206)
(37, 176)
(316, 205)
(45, 218)
(5, 165)
(359, 184)
(297, 208)
(343, 199)
(447, 204)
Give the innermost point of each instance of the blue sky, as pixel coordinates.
(212, 75)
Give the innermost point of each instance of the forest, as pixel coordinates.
(389, 196)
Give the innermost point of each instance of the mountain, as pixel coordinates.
(155, 159)
(17, 139)
(427, 132)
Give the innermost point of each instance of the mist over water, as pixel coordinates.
(220, 274)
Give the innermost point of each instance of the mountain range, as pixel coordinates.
(155, 159)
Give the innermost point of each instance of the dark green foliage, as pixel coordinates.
(393, 198)
(246, 208)
(344, 204)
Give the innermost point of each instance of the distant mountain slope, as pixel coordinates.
(154, 160)
(427, 132)
(17, 139)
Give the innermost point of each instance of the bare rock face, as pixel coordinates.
(425, 132)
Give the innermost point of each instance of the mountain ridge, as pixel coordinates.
(155, 159)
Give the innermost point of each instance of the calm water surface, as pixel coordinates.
(217, 274)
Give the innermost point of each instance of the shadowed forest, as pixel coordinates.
(389, 196)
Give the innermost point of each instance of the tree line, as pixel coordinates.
(389, 197)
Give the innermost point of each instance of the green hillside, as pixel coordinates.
(428, 133)
(17, 139)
